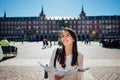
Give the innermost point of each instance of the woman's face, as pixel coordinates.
(67, 39)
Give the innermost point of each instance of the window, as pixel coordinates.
(29, 27)
(78, 31)
(24, 27)
(103, 31)
(11, 32)
(106, 21)
(49, 22)
(41, 27)
(15, 23)
(45, 27)
(78, 26)
(102, 21)
(83, 27)
(45, 31)
(87, 31)
(66, 21)
(74, 22)
(90, 26)
(18, 22)
(50, 31)
(37, 27)
(99, 22)
(36, 22)
(83, 31)
(113, 26)
(95, 22)
(117, 21)
(95, 27)
(100, 26)
(70, 26)
(41, 22)
(70, 22)
(53, 22)
(8, 32)
(49, 27)
(87, 26)
(113, 21)
(22, 31)
(79, 22)
(41, 31)
(117, 26)
(45, 22)
(110, 21)
(83, 22)
(88, 22)
(74, 27)
(41, 17)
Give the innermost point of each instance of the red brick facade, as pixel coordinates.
(38, 28)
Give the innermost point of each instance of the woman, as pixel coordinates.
(68, 57)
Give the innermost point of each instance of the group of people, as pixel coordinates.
(46, 43)
(110, 43)
(87, 41)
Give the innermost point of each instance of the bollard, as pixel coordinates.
(46, 73)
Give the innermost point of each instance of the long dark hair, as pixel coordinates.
(61, 57)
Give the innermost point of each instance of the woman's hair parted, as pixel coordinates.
(61, 57)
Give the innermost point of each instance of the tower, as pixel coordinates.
(4, 14)
(42, 15)
(82, 14)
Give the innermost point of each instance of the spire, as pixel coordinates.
(5, 13)
(42, 12)
(82, 15)
(42, 15)
(82, 10)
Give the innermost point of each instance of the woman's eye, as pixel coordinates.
(62, 35)
(67, 35)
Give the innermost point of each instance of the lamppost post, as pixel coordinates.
(17, 35)
(108, 30)
(94, 34)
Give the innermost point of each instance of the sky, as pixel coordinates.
(56, 8)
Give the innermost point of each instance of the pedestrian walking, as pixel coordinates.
(44, 44)
(50, 43)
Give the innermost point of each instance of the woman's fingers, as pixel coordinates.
(58, 77)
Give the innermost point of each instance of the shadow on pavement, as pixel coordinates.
(6, 58)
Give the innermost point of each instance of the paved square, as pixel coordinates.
(104, 63)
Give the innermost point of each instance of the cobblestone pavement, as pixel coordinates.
(104, 63)
(106, 73)
(20, 73)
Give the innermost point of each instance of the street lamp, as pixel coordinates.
(54, 33)
(108, 29)
(17, 35)
(94, 33)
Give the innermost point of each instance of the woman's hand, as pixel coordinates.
(58, 77)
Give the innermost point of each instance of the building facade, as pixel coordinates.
(40, 27)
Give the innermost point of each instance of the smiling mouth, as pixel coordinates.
(65, 41)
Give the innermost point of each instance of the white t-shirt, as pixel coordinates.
(68, 63)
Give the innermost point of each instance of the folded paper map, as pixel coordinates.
(60, 72)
